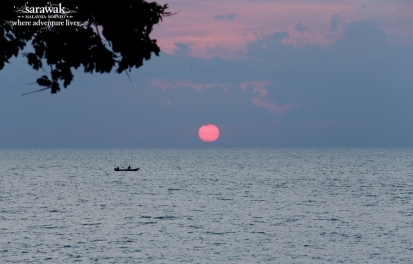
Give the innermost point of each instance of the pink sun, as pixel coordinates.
(208, 133)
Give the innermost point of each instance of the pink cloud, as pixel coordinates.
(165, 85)
(199, 23)
(262, 92)
(257, 85)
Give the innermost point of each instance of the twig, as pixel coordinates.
(167, 14)
(128, 75)
(37, 91)
(44, 70)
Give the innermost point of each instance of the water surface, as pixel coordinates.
(207, 206)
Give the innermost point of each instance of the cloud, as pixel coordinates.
(336, 22)
(218, 51)
(301, 34)
(365, 31)
(165, 85)
(298, 34)
(300, 27)
(258, 88)
(229, 17)
(272, 106)
(181, 49)
(357, 80)
(294, 17)
(267, 44)
(368, 8)
(255, 84)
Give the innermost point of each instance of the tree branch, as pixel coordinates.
(128, 75)
(37, 91)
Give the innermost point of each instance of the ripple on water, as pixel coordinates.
(207, 206)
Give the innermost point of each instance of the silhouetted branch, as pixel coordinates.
(128, 75)
(68, 47)
(44, 70)
(37, 91)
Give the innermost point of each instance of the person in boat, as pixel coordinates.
(129, 167)
(117, 168)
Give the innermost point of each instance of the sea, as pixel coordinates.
(207, 205)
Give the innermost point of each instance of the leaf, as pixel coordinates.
(44, 81)
(34, 61)
(55, 87)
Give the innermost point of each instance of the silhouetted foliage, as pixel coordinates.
(115, 36)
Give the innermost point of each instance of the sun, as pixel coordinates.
(208, 133)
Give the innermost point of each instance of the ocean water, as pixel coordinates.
(207, 206)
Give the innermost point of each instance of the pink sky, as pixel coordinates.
(222, 28)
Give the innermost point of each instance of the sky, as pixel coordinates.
(321, 73)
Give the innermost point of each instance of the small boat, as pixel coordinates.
(117, 169)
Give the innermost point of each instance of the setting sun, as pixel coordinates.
(208, 133)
